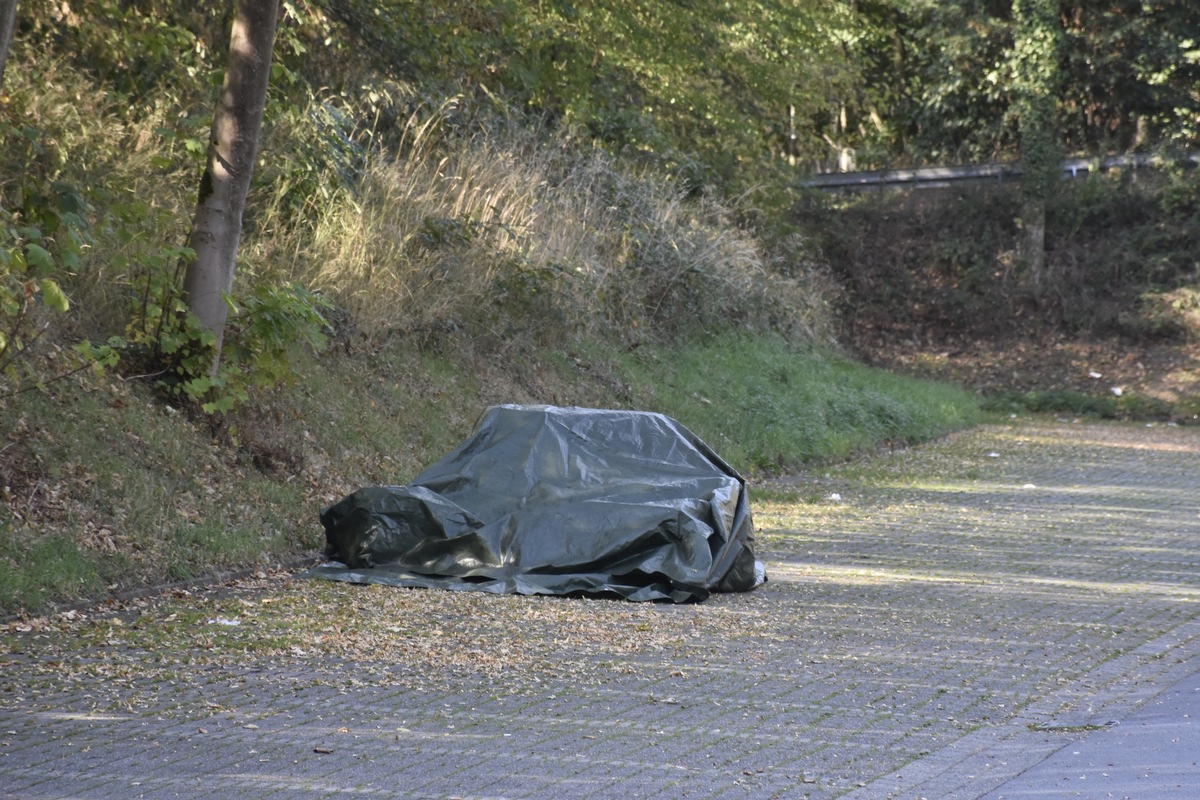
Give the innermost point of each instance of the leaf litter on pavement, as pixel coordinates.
(343, 632)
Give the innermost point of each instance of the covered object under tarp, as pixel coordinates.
(546, 500)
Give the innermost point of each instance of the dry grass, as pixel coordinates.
(505, 227)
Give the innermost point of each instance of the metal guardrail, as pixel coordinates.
(933, 177)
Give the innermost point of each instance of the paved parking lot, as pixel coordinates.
(937, 622)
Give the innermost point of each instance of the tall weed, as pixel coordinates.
(503, 228)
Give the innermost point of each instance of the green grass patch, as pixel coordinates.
(1053, 402)
(1129, 405)
(46, 569)
(765, 404)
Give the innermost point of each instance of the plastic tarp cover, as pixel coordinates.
(548, 500)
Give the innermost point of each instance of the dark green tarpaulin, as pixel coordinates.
(546, 500)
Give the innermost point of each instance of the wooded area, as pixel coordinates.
(724, 99)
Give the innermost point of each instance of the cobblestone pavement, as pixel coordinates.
(937, 621)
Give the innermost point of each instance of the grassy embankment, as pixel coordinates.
(108, 488)
(484, 266)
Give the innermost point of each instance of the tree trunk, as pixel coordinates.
(1033, 243)
(232, 150)
(8, 22)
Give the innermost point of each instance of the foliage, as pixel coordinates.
(713, 104)
(140, 51)
(949, 78)
(263, 333)
(1167, 314)
(474, 240)
(1133, 69)
(745, 86)
(940, 82)
(44, 229)
(719, 94)
(261, 340)
(1036, 82)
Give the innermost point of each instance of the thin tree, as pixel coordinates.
(8, 21)
(1036, 83)
(232, 150)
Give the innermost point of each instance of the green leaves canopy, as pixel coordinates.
(722, 89)
(1128, 75)
(676, 79)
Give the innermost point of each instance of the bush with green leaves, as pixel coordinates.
(263, 332)
(43, 230)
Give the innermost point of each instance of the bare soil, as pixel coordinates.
(1166, 371)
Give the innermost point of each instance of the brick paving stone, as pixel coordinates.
(962, 609)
